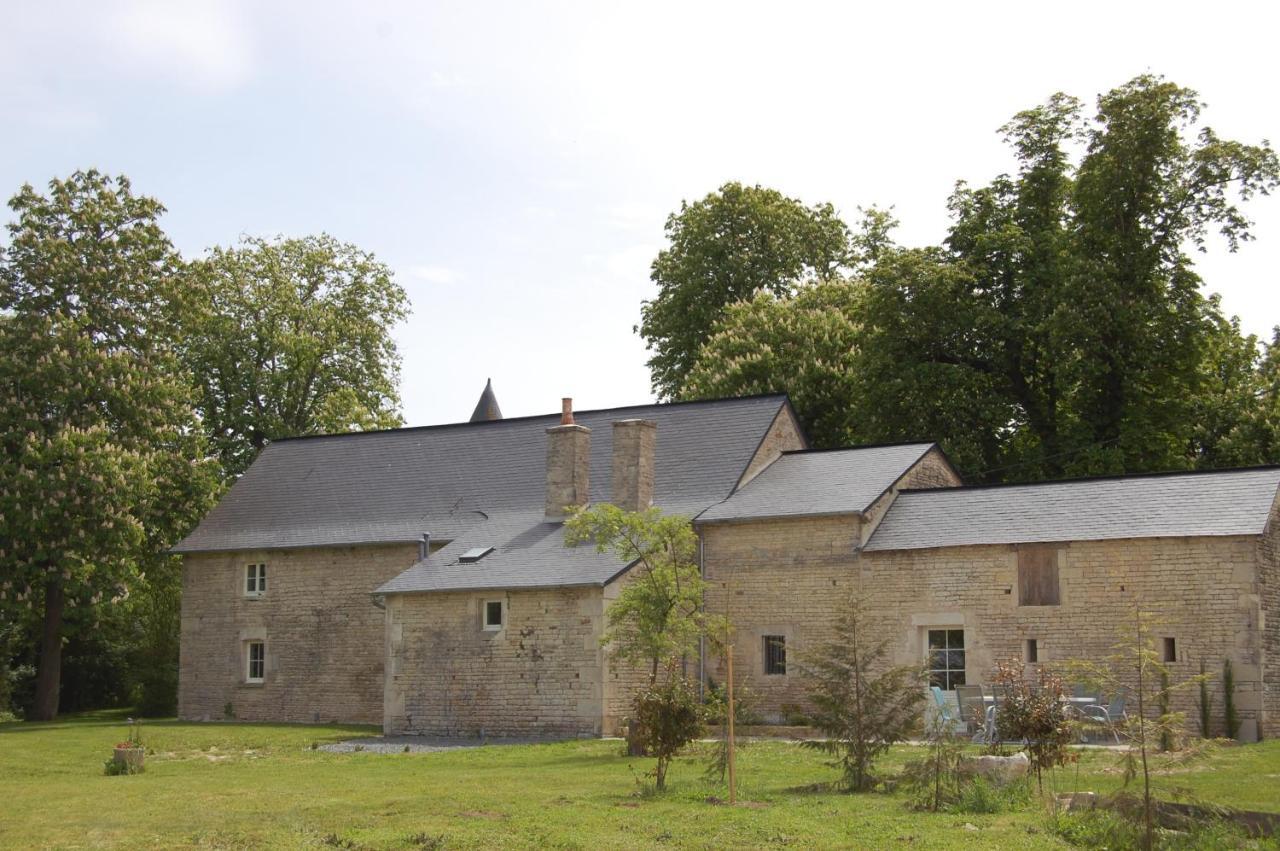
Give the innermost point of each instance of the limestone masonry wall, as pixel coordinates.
(790, 577)
(1269, 615)
(783, 436)
(323, 636)
(542, 673)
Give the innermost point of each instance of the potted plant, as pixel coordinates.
(129, 754)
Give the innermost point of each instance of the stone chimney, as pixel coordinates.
(568, 464)
(633, 446)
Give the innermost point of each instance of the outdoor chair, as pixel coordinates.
(971, 708)
(951, 719)
(1108, 716)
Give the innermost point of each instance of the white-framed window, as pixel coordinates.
(946, 658)
(775, 655)
(493, 615)
(255, 580)
(255, 661)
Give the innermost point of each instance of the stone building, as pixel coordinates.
(418, 577)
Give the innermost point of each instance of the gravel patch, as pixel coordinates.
(421, 744)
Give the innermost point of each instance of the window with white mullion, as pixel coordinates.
(255, 580)
(255, 661)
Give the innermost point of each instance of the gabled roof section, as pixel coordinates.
(817, 482)
(1227, 502)
(396, 485)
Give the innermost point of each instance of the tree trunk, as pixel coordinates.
(49, 673)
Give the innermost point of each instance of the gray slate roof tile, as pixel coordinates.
(475, 484)
(1229, 502)
(839, 481)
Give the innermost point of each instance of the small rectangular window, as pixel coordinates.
(1038, 576)
(1169, 652)
(946, 658)
(493, 612)
(1033, 651)
(775, 654)
(255, 580)
(255, 661)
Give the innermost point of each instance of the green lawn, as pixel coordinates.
(253, 785)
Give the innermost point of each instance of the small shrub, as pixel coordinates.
(1229, 700)
(1204, 703)
(1035, 713)
(229, 711)
(862, 705)
(669, 716)
(716, 711)
(978, 796)
(935, 780)
(795, 716)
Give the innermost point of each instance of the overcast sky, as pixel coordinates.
(514, 163)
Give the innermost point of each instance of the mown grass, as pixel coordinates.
(240, 785)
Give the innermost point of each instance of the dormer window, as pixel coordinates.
(255, 580)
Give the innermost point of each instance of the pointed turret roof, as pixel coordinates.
(487, 408)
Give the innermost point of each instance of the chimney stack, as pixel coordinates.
(633, 448)
(568, 464)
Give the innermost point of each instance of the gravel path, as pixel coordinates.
(420, 744)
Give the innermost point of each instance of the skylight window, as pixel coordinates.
(474, 554)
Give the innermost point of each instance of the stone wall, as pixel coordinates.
(933, 470)
(323, 636)
(1269, 615)
(790, 577)
(783, 436)
(542, 673)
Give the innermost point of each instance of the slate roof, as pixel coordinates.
(474, 484)
(1229, 502)
(807, 483)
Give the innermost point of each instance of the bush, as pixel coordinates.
(1035, 713)
(862, 705)
(668, 716)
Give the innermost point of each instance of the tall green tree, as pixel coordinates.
(1061, 329)
(103, 465)
(293, 336)
(725, 248)
(805, 345)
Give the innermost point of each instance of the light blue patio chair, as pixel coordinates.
(950, 716)
(1108, 716)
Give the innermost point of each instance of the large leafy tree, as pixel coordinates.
(103, 465)
(725, 248)
(293, 337)
(805, 345)
(1061, 329)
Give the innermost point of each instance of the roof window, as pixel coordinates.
(474, 554)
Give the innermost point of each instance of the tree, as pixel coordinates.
(805, 345)
(656, 621)
(1059, 331)
(735, 242)
(293, 337)
(862, 705)
(1135, 667)
(103, 464)
(657, 616)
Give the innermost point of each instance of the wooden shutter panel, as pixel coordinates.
(1038, 576)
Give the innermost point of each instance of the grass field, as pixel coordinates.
(255, 785)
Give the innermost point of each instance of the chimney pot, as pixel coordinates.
(566, 411)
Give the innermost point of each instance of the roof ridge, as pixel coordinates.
(1081, 479)
(492, 423)
(854, 446)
